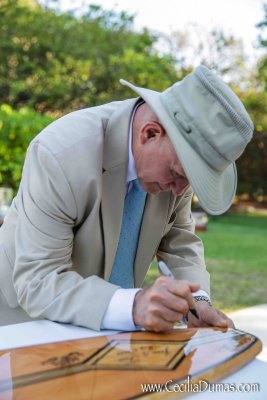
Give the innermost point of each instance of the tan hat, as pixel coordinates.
(209, 129)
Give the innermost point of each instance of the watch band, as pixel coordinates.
(202, 298)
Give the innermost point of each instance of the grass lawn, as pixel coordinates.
(236, 257)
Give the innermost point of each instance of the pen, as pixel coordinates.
(166, 272)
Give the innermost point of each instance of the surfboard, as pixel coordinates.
(130, 365)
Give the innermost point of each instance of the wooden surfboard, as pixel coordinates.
(122, 366)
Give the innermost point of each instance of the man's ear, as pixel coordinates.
(151, 130)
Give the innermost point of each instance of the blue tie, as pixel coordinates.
(122, 270)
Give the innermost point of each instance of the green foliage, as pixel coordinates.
(17, 129)
(56, 61)
(252, 166)
(262, 65)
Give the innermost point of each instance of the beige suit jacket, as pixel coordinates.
(59, 240)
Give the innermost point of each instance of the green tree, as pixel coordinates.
(57, 61)
(262, 65)
(17, 129)
(253, 164)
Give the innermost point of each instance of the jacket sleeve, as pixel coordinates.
(181, 249)
(44, 280)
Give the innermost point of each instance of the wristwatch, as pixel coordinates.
(202, 298)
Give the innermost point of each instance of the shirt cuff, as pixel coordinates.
(119, 314)
(201, 293)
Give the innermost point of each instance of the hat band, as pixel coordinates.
(192, 134)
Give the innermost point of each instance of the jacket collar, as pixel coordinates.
(117, 136)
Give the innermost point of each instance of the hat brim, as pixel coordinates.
(215, 190)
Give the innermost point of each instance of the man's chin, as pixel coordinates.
(152, 188)
(155, 189)
(154, 192)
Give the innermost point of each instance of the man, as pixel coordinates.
(82, 230)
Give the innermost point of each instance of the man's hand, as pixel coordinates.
(208, 316)
(164, 303)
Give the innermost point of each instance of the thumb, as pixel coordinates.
(216, 319)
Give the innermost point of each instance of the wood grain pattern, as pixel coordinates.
(119, 364)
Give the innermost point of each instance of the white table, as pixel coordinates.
(41, 332)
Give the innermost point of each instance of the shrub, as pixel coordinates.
(17, 129)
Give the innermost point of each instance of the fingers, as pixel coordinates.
(195, 323)
(164, 303)
(149, 314)
(184, 289)
(174, 294)
(217, 318)
(224, 320)
(160, 311)
(171, 301)
(160, 318)
(158, 325)
(209, 316)
(230, 323)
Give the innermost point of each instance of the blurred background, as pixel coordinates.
(59, 56)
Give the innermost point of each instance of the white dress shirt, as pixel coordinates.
(120, 317)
